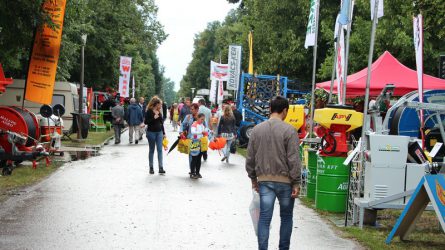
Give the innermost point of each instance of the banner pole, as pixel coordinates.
(368, 80)
(314, 65)
(345, 73)
(334, 66)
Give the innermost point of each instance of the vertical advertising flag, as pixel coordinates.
(344, 13)
(380, 9)
(234, 67)
(340, 64)
(219, 71)
(418, 45)
(310, 31)
(45, 55)
(213, 90)
(124, 78)
(250, 38)
(220, 93)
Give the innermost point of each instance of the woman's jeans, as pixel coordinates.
(226, 149)
(155, 139)
(268, 192)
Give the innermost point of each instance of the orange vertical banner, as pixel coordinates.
(45, 55)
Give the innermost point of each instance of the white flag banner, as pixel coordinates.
(213, 89)
(311, 25)
(380, 10)
(124, 78)
(340, 64)
(337, 27)
(134, 87)
(219, 71)
(418, 45)
(234, 67)
(220, 93)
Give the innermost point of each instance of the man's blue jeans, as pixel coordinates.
(268, 192)
(155, 140)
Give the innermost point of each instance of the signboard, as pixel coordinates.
(430, 189)
(218, 71)
(213, 90)
(45, 55)
(234, 67)
(220, 93)
(124, 78)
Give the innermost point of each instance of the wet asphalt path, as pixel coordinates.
(112, 202)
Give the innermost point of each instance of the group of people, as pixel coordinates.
(143, 118)
(196, 122)
(272, 161)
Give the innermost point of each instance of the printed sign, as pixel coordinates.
(234, 67)
(124, 78)
(218, 71)
(45, 55)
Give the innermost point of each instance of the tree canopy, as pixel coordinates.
(279, 30)
(114, 29)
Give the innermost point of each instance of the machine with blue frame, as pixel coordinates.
(254, 95)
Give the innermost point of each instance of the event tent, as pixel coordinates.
(387, 69)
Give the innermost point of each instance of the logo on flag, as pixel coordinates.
(219, 71)
(124, 78)
(312, 25)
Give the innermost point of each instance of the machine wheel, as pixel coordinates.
(328, 144)
(246, 131)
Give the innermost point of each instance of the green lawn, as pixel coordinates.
(93, 139)
(23, 176)
(427, 233)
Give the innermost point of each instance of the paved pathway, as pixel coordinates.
(111, 202)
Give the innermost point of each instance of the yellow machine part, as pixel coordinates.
(327, 116)
(295, 116)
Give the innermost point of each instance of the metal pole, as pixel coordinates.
(334, 67)
(314, 65)
(345, 73)
(79, 135)
(368, 79)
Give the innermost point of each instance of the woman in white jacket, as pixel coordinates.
(197, 130)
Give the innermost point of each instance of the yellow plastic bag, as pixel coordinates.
(184, 146)
(204, 144)
(165, 143)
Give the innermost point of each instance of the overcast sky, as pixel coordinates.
(182, 19)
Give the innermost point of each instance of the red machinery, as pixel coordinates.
(3, 80)
(19, 134)
(336, 121)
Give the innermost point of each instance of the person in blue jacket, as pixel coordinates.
(135, 120)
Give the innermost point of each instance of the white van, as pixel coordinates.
(65, 93)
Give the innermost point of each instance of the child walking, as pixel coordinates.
(198, 131)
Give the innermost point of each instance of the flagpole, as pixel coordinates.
(345, 73)
(334, 67)
(314, 65)
(368, 77)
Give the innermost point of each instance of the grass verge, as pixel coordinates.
(426, 235)
(94, 138)
(24, 176)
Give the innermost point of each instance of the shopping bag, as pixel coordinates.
(204, 143)
(195, 147)
(254, 210)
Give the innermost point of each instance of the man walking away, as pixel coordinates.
(135, 119)
(207, 113)
(118, 113)
(237, 114)
(185, 110)
(274, 167)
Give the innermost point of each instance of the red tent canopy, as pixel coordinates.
(387, 69)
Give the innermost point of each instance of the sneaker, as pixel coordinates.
(140, 138)
(194, 176)
(136, 142)
(152, 171)
(191, 175)
(199, 175)
(161, 171)
(224, 158)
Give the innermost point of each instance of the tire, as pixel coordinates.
(246, 131)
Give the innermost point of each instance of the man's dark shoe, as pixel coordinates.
(161, 171)
(199, 175)
(131, 142)
(136, 142)
(152, 171)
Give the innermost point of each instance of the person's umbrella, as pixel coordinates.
(173, 146)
